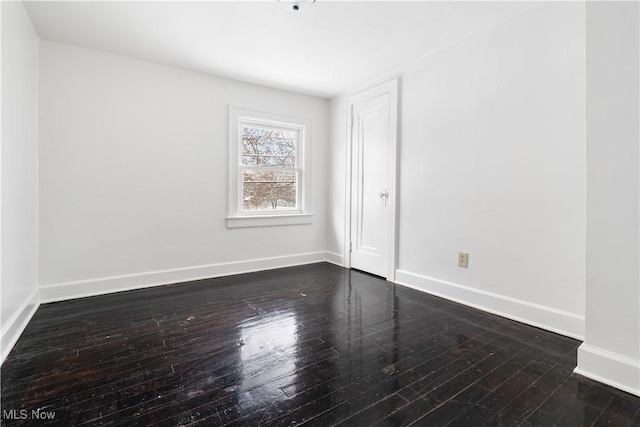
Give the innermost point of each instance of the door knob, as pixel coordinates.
(383, 197)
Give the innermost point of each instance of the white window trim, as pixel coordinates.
(237, 218)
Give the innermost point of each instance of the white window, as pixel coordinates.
(268, 169)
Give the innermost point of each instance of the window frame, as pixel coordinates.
(237, 215)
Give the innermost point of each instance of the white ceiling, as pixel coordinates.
(323, 49)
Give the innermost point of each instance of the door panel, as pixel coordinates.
(370, 179)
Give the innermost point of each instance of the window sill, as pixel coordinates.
(268, 220)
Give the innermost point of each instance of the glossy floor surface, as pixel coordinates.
(316, 345)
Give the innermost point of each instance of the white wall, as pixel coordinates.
(19, 172)
(337, 179)
(492, 162)
(611, 351)
(133, 175)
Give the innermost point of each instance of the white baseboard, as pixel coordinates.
(610, 368)
(334, 258)
(16, 324)
(551, 319)
(105, 285)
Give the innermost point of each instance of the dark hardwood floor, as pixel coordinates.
(316, 345)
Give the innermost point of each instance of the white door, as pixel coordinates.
(373, 157)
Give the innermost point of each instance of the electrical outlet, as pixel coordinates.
(463, 259)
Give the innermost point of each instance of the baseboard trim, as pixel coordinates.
(558, 321)
(16, 324)
(335, 258)
(616, 370)
(106, 285)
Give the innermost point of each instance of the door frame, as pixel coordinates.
(390, 87)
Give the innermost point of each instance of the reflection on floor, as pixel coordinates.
(314, 344)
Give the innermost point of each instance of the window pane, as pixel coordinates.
(268, 190)
(268, 147)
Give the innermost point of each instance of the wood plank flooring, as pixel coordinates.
(316, 345)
